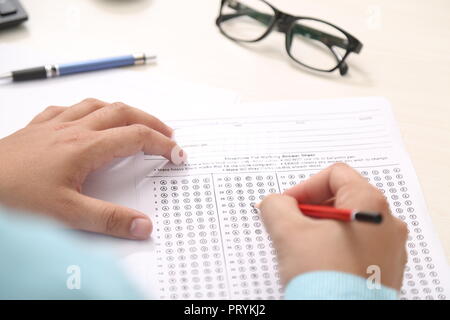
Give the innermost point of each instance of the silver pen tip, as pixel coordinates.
(150, 57)
(6, 76)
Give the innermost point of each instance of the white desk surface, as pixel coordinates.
(406, 58)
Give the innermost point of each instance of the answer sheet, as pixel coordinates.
(209, 241)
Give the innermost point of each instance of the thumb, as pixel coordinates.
(281, 216)
(99, 216)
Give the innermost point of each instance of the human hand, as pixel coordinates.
(304, 244)
(43, 166)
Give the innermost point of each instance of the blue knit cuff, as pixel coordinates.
(333, 285)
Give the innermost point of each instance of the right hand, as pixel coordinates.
(305, 244)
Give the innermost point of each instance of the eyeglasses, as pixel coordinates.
(313, 43)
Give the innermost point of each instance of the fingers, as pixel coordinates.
(119, 114)
(48, 114)
(281, 216)
(348, 188)
(362, 197)
(324, 185)
(94, 215)
(126, 141)
(82, 109)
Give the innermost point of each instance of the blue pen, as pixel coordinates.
(56, 70)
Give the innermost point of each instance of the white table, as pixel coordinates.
(406, 57)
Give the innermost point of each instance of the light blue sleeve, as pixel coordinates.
(333, 285)
(41, 260)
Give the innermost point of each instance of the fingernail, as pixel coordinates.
(178, 155)
(257, 205)
(140, 228)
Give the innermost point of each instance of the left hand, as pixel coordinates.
(43, 166)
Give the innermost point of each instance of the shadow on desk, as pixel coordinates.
(356, 75)
(123, 6)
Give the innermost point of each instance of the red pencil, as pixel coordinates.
(326, 212)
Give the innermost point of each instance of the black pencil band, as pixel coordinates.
(373, 217)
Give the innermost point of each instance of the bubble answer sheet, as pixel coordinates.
(209, 242)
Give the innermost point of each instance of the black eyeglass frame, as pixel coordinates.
(286, 23)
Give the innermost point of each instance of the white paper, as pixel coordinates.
(208, 242)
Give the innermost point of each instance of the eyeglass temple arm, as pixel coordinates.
(321, 36)
(306, 31)
(261, 17)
